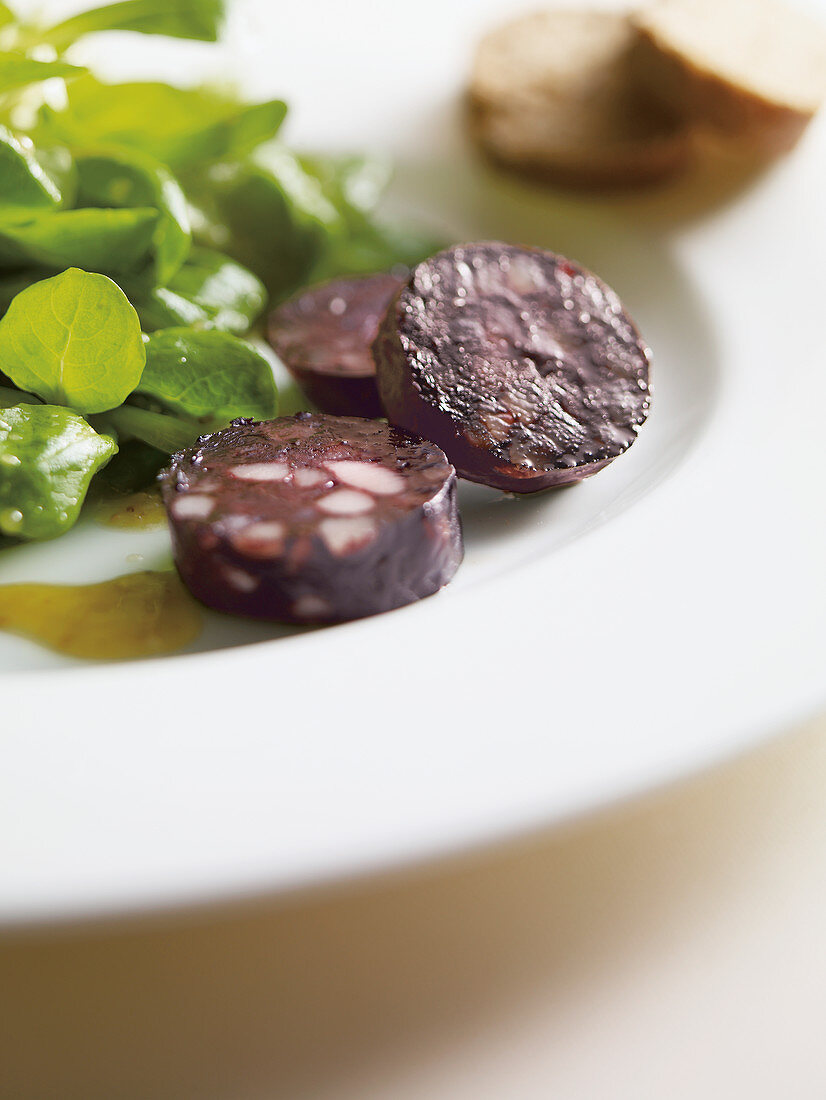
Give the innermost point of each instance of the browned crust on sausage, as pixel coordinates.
(520, 364)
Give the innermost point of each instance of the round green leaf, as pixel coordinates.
(11, 396)
(199, 19)
(73, 340)
(115, 242)
(209, 291)
(17, 70)
(237, 198)
(25, 182)
(208, 375)
(128, 178)
(48, 456)
(179, 126)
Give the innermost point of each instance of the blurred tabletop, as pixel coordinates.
(670, 948)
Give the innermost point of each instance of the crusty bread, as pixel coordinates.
(555, 94)
(755, 70)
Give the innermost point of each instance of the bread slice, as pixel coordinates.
(755, 70)
(555, 94)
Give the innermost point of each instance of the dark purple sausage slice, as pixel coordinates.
(323, 336)
(312, 518)
(522, 366)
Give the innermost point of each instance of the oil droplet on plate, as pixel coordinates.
(134, 510)
(138, 615)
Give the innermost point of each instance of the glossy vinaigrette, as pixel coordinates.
(142, 510)
(137, 615)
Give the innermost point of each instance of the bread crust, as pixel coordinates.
(555, 95)
(758, 121)
(630, 164)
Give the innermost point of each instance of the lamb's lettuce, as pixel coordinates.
(211, 376)
(364, 243)
(11, 283)
(179, 126)
(24, 181)
(371, 245)
(11, 396)
(17, 70)
(100, 182)
(319, 212)
(199, 19)
(113, 242)
(73, 340)
(134, 467)
(48, 456)
(235, 198)
(114, 178)
(349, 181)
(209, 291)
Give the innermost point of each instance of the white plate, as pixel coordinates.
(664, 614)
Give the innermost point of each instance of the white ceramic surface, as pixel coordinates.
(666, 613)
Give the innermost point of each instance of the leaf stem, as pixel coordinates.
(167, 433)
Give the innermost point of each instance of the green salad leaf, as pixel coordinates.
(135, 466)
(10, 395)
(199, 19)
(113, 242)
(73, 340)
(127, 178)
(24, 182)
(12, 283)
(370, 245)
(318, 212)
(209, 291)
(208, 375)
(350, 181)
(178, 126)
(48, 456)
(236, 198)
(57, 162)
(364, 244)
(17, 70)
(116, 181)
(161, 307)
(230, 295)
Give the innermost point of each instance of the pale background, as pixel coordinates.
(673, 950)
